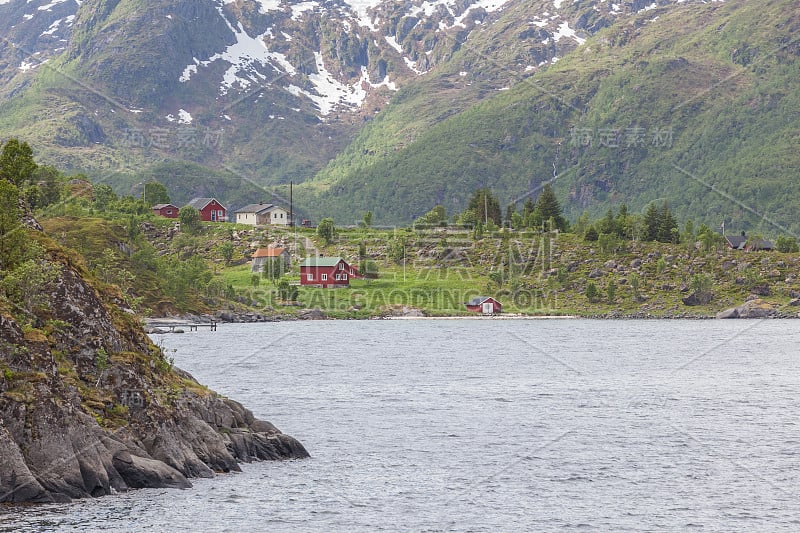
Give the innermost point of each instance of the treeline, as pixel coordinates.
(24, 268)
(116, 251)
(656, 224)
(483, 213)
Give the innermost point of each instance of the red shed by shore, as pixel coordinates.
(166, 210)
(210, 209)
(327, 272)
(485, 304)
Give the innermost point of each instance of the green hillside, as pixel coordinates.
(695, 105)
(106, 104)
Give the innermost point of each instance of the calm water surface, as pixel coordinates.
(490, 425)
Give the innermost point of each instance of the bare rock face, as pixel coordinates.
(89, 406)
(698, 298)
(755, 308)
(141, 472)
(16, 481)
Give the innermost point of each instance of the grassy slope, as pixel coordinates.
(720, 77)
(90, 237)
(445, 269)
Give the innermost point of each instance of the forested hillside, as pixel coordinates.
(695, 105)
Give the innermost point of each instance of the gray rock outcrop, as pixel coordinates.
(90, 406)
(755, 308)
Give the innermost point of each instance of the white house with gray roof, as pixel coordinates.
(263, 215)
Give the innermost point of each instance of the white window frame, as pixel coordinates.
(309, 277)
(324, 277)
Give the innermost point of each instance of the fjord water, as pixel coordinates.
(490, 425)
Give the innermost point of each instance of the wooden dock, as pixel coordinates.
(179, 326)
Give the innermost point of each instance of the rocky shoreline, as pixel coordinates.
(90, 406)
(751, 309)
(74, 457)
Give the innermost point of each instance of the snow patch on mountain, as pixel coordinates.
(52, 29)
(250, 61)
(51, 5)
(302, 7)
(487, 5)
(384, 83)
(268, 5)
(456, 9)
(244, 56)
(412, 65)
(393, 43)
(329, 92)
(361, 9)
(565, 31)
(184, 117)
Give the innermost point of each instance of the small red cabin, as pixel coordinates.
(210, 209)
(485, 304)
(327, 272)
(166, 210)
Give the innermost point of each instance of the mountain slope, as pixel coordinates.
(269, 90)
(666, 104)
(396, 107)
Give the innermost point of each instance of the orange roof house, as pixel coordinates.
(262, 255)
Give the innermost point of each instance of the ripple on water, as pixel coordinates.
(436, 434)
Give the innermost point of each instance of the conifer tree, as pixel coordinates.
(667, 226)
(549, 208)
(528, 208)
(511, 210)
(651, 223)
(486, 206)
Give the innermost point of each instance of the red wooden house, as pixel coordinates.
(210, 209)
(327, 272)
(485, 304)
(166, 210)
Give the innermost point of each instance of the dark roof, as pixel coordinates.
(478, 300)
(258, 208)
(200, 203)
(736, 241)
(740, 242)
(762, 244)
